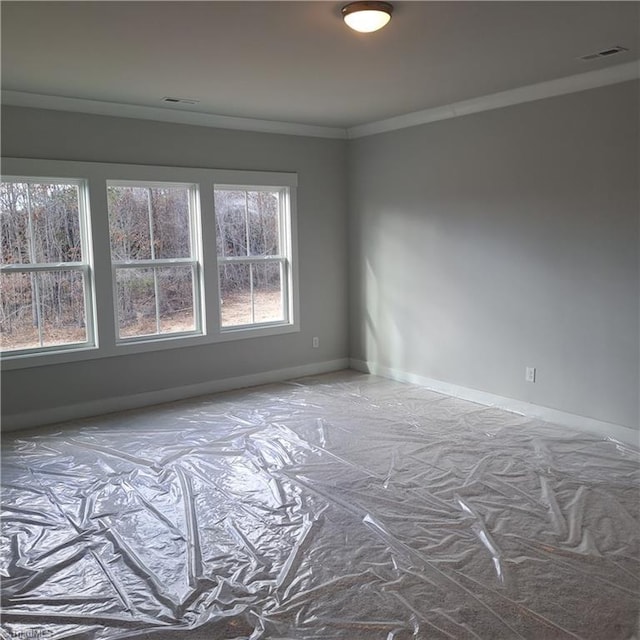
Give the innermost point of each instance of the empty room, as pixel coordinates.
(320, 320)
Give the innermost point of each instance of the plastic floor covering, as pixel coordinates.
(342, 506)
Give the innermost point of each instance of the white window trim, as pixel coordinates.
(96, 175)
(283, 258)
(194, 261)
(85, 267)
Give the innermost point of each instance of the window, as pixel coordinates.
(45, 292)
(254, 246)
(101, 259)
(154, 253)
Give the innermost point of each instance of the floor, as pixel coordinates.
(342, 506)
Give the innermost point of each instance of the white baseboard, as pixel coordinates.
(604, 429)
(31, 419)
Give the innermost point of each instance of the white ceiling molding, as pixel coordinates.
(560, 86)
(80, 105)
(568, 84)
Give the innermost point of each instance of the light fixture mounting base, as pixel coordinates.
(366, 5)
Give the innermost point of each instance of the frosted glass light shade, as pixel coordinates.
(367, 16)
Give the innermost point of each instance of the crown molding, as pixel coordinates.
(548, 89)
(529, 93)
(98, 107)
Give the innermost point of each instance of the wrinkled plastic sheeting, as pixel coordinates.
(341, 506)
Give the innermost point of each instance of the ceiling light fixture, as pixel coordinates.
(367, 16)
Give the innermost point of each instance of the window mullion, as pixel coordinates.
(88, 295)
(35, 281)
(151, 235)
(149, 264)
(104, 277)
(248, 246)
(35, 286)
(152, 242)
(157, 299)
(32, 249)
(250, 260)
(282, 227)
(246, 222)
(284, 283)
(253, 302)
(207, 246)
(54, 266)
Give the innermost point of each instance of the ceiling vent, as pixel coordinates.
(179, 100)
(604, 53)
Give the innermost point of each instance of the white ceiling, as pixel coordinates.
(297, 61)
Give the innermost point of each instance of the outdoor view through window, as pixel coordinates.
(44, 273)
(169, 270)
(151, 251)
(252, 260)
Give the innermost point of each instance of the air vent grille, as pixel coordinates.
(171, 100)
(604, 53)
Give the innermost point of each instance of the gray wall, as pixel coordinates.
(322, 232)
(478, 246)
(486, 243)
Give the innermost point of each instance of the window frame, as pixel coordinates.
(194, 261)
(96, 175)
(84, 267)
(283, 257)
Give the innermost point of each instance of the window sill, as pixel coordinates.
(24, 361)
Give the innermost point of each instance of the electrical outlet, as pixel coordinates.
(530, 374)
(315, 342)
